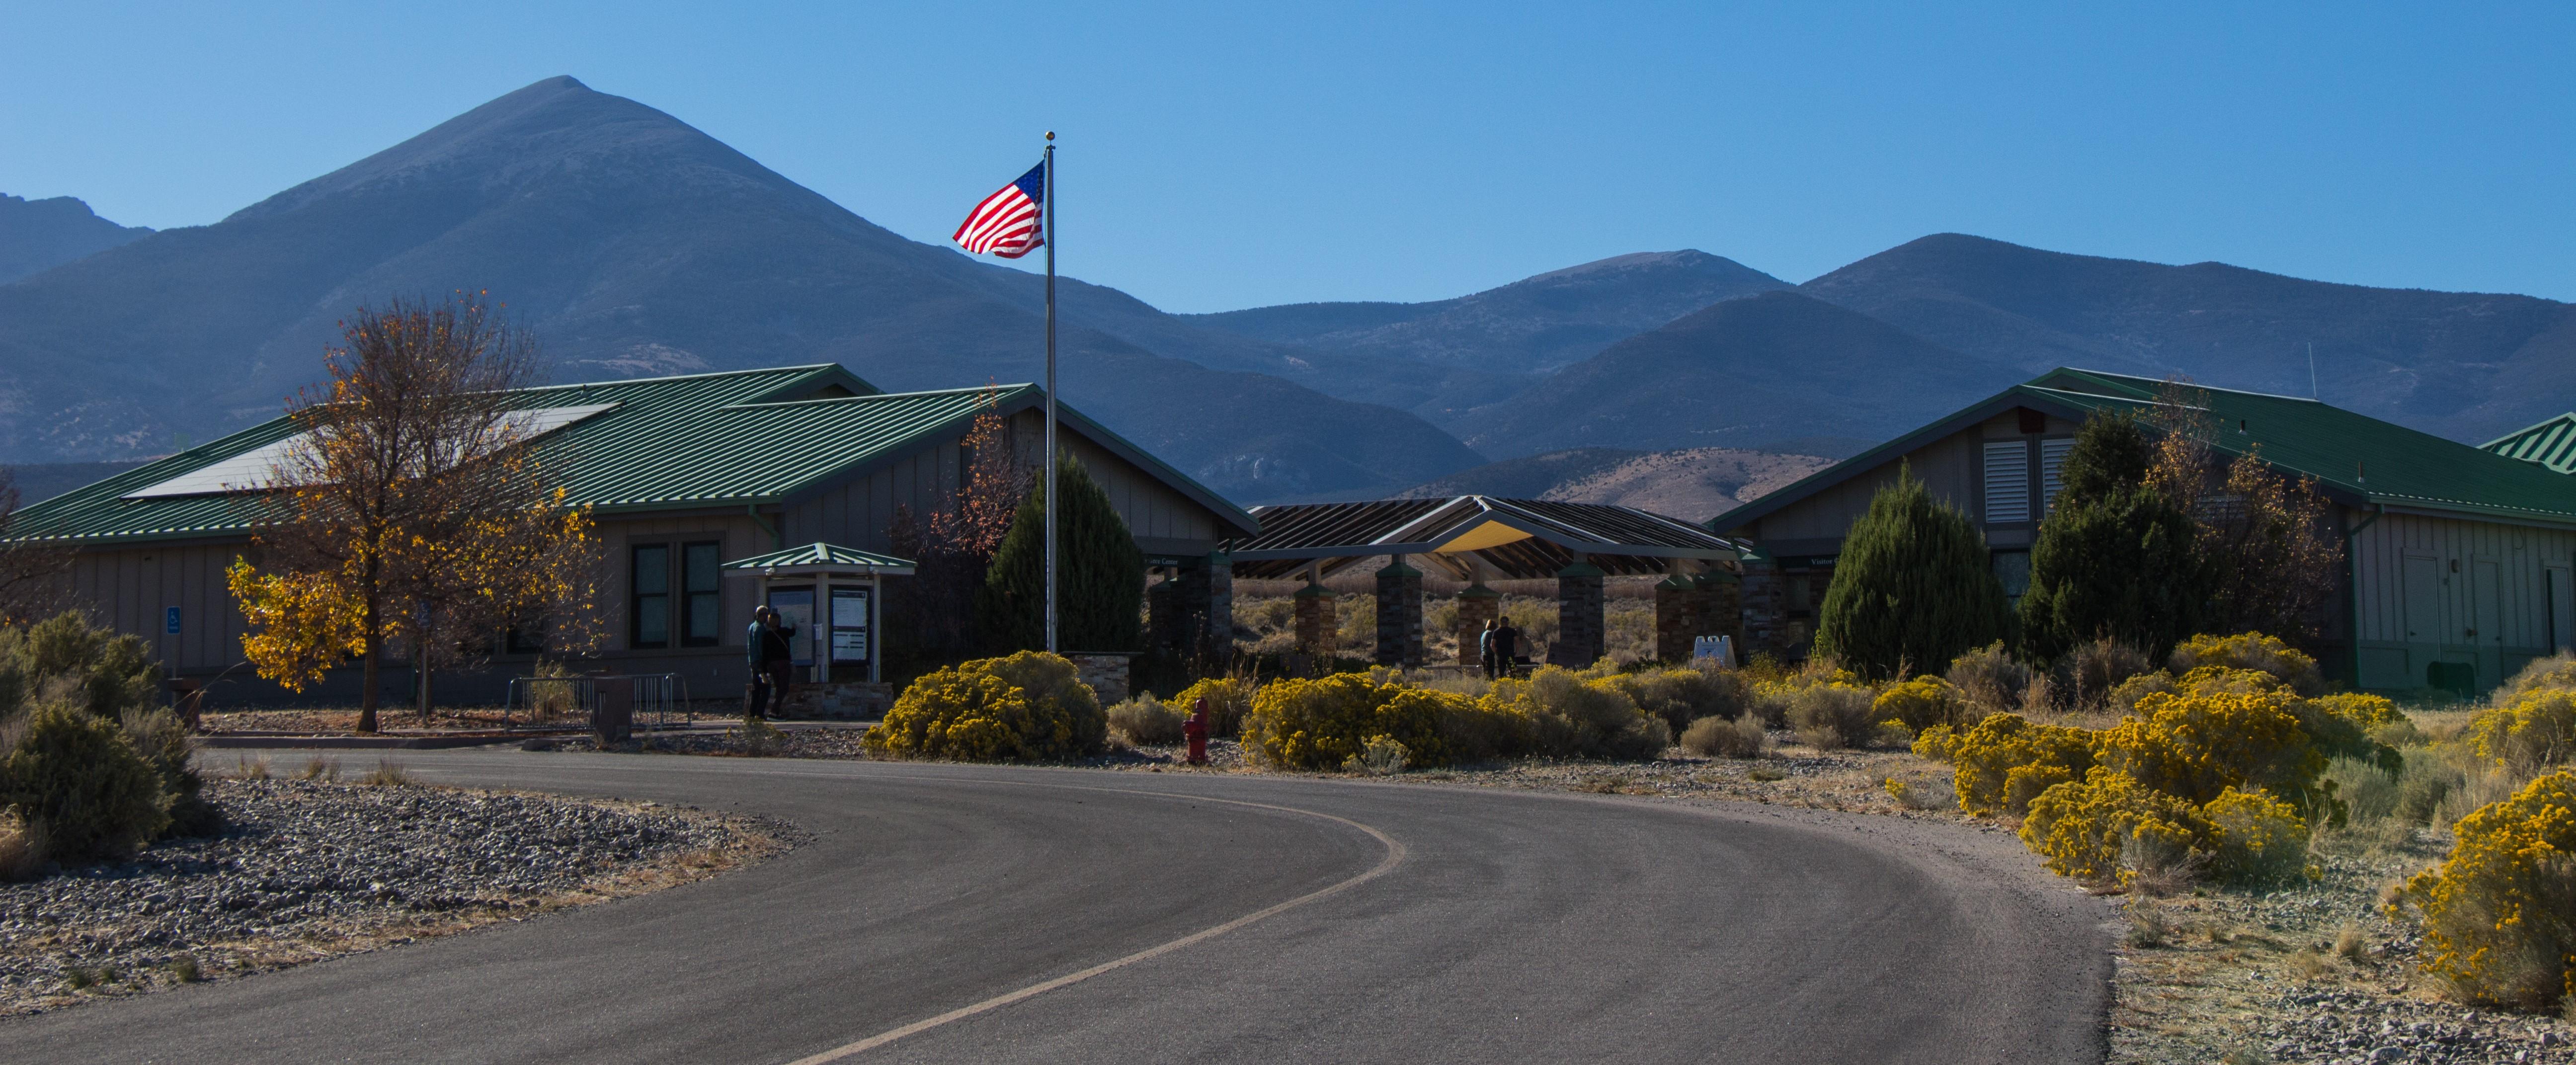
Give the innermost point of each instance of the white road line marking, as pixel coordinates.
(1394, 856)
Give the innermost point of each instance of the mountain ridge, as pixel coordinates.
(631, 244)
(38, 235)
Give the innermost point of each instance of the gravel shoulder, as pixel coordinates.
(312, 869)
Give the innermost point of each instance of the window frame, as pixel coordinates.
(687, 596)
(636, 595)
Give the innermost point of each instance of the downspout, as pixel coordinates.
(777, 539)
(2352, 594)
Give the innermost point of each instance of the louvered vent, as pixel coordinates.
(2007, 482)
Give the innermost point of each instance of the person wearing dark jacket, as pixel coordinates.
(767, 649)
(1507, 648)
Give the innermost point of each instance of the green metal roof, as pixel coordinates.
(823, 556)
(2551, 444)
(720, 439)
(2354, 457)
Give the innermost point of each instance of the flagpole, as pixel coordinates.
(1048, 207)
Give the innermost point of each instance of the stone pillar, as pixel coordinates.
(1192, 615)
(1477, 605)
(1765, 609)
(1678, 627)
(1220, 604)
(1580, 629)
(1315, 626)
(1399, 614)
(1722, 609)
(1163, 624)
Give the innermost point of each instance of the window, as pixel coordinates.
(527, 639)
(2052, 457)
(702, 613)
(2012, 569)
(651, 616)
(2007, 482)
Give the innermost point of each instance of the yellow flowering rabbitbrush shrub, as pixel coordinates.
(2500, 912)
(1228, 699)
(2556, 671)
(1324, 722)
(1572, 717)
(1922, 703)
(1936, 743)
(2254, 651)
(1771, 697)
(2258, 839)
(1678, 696)
(2365, 710)
(2006, 761)
(2536, 730)
(2083, 827)
(2197, 746)
(1030, 706)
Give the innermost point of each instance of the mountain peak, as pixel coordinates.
(550, 126)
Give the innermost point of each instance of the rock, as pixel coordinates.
(305, 857)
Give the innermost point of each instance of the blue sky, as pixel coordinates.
(1227, 157)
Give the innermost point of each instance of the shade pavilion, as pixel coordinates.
(1477, 538)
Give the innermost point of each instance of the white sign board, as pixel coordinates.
(1721, 648)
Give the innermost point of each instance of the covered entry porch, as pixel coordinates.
(1477, 539)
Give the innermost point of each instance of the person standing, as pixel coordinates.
(1507, 648)
(768, 650)
(1485, 649)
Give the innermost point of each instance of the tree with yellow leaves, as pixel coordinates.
(410, 512)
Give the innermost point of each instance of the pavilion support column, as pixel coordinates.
(1580, 629)
(1477, 605)
(1399, 614)
(1678, 604)
(1217, 605)
(1316, 631)
(1722, 609)
(1164, 624)
(1192, 614)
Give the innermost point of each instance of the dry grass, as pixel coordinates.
(22, 848)
(385, 774)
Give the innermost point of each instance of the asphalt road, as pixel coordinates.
(1067, 916)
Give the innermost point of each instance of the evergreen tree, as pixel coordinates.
(1914, 586)
(1100, 576)
(2115, 556)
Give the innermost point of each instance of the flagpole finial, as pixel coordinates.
(1050, 134)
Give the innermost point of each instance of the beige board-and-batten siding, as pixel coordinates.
(1952, 469)
(2436, 589)
(131, 590)
(858, 512)
(738, 536)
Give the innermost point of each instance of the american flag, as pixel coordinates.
(1006, 223)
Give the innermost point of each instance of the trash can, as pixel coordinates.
(612, 714)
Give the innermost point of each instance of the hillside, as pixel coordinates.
(632, 244)
(2463, 365)
(1442, 357)
(42, 234)
(1751, 373)
(1694, 484)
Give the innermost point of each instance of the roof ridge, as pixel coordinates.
(802, 367)
(998, 390)
(2553, 419)
(2188, 384)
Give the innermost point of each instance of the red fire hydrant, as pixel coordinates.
(1196, 729)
